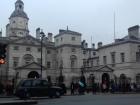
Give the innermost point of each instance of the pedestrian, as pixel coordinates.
(64, 89)
(104, 87)
(76, 88)
(81, 88)
(72, 88)
(94, 88)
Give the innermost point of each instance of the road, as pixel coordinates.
(89, 99)
(101, 99)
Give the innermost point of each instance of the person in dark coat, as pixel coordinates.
(72, 87)
(63, 86)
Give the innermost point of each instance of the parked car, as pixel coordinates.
(37, 88)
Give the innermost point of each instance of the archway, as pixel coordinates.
(106, 80)
(33, 74)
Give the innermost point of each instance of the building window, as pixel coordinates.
(113, 60)
(84, 62)
(21, 33)
(28, 58)
(73, 59)
(61, 50)
(73, 50)
(57, 51)
(122, 57)
(20, 6)
(14, 21)
(39, 49)
(39, 60)
(48, 52)
(104, 60)
(84, 51)
(72, 63)
(28, 49)
(57, 40)
(48, 64)
(16, 47)
(87, 62)
(137, 56)
(61, 39)
(73, 38)
(98, 62)
(94, 53)
(91, 63)
(15, 61)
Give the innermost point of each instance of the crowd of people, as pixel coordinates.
(104, 87)
(6, 89)
(80, 87)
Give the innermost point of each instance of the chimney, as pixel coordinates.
(93, 46)
(100, 44)
(38, 33)
(134, 31)
(86, 45)
(50, 37)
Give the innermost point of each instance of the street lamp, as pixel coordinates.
(42, 35)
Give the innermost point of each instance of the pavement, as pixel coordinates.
(19, 102)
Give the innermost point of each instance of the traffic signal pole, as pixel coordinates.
(0, 73)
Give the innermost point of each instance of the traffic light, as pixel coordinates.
(2, 53)
(2, 61)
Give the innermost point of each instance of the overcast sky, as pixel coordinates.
(89, 17)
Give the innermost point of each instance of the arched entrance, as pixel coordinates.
(106, 80)
(33, 74)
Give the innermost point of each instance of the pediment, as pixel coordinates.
(105, 69)
(31, 66)
(29, 40)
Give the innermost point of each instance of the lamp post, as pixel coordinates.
(42, 35)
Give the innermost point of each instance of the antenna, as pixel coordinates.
(114, 26)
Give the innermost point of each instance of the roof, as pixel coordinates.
(18, 13)
(126, 39)
(62, 32)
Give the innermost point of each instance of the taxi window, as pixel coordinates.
(36, 83)
(44, 83)
(27, 83)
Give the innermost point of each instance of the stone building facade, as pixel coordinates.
(68, 55)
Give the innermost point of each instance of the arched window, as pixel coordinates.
(28, 58)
